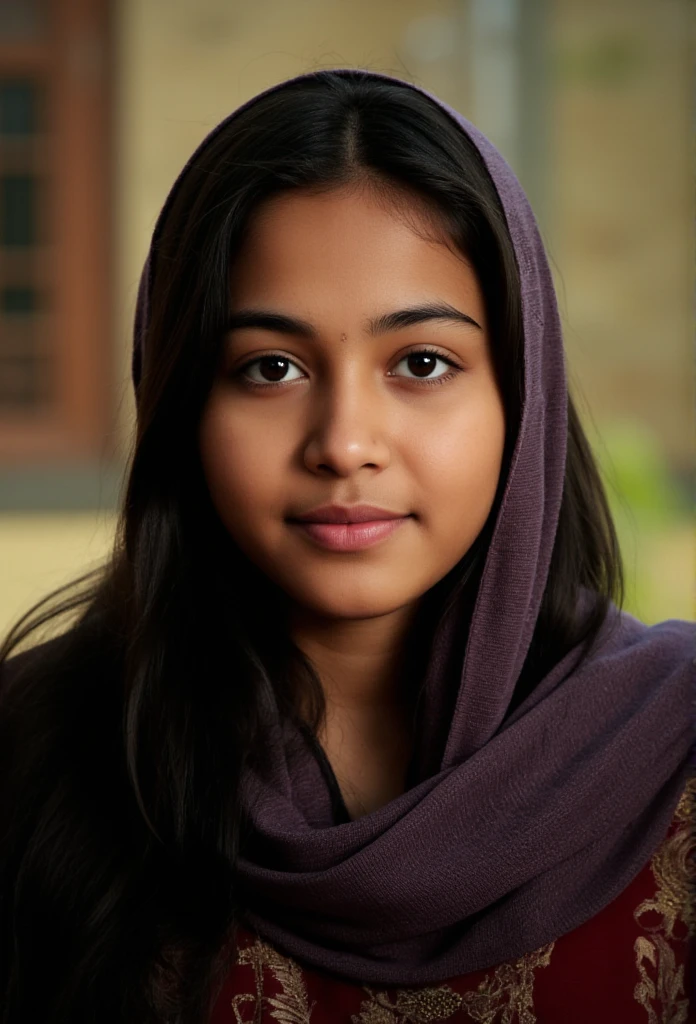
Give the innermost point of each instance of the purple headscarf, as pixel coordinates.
(522, 826)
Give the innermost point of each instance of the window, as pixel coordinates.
(55, 344)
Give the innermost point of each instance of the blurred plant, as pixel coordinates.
(653, 516)
(638, 473)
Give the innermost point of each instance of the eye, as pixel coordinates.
(274, 366)
(421, 362)
(424, 361)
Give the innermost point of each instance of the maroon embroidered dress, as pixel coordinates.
(633, 963)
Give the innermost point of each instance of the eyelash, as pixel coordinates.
(428, 381)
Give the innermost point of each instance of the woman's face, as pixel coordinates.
(345, 411)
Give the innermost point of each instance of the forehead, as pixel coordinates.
(350, 244)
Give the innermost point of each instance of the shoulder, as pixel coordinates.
(673, 640)
(652, 662)
(73, 652)
(20, 673)
(60, 722)
(48, 692)
(25, 662)
(30, 677)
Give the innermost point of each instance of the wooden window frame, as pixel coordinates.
(74, 62)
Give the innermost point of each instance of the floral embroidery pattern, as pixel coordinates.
(506, 997)
(417, 1007)
(291, 1005)
(510, 992)
(660, 990)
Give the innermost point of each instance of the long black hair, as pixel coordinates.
(123, 738)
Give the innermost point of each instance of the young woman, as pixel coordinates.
(351, 727)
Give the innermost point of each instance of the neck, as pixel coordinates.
(362, 664)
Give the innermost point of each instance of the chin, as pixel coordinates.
(342, 606)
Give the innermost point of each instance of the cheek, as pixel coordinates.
(240, 464)
(461, 465)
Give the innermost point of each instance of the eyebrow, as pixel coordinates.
(397, 320)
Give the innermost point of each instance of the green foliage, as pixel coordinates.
(653, 518)
(637, 475)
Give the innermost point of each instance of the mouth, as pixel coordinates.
(347, 514)
(348, 527)
(355, 536)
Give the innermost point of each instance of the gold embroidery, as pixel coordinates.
(291, 1006)
(671, 901)
(661, 985)
(670, 981)
(509, 992)
(416, 1007)
(512, 982)
(686, 808)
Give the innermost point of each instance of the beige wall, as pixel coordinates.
(622, 229)
(40, 551)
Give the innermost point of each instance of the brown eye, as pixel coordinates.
(421, 363)
(272, 369)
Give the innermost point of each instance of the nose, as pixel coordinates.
(347, 430)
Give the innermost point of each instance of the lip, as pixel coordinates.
(346, 514)
(349, 536)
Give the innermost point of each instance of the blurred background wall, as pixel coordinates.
(102, 102)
